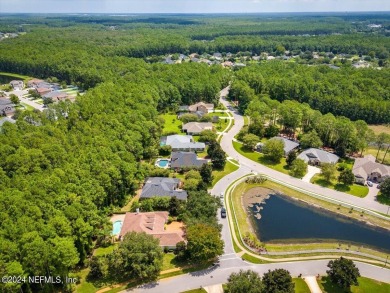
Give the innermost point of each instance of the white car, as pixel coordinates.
(369, 183)
(221, 195)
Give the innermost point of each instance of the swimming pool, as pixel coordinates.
(163, 163)
(116, 227)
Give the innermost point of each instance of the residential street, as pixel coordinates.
(27, 101)
(226, 144)
(230, 261)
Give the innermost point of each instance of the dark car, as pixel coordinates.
(223, 213)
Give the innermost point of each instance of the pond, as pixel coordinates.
(286, 220)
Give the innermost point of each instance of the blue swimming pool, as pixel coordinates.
(116, 227)
(163, 163)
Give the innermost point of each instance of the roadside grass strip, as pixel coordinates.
(250, 255)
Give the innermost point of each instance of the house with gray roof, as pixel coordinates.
(316, 157)
(6, 119)
(180, 160)
(163, 186)
(195, 128)
(368, 169)
(183, 143)
(289, 145)
(17, 85)
(55, 96)
(7, 108)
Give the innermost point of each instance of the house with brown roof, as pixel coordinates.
(195, 128)
(43, 91)
(34, 83)
(152, 223)
(368, 169)
(202, 107)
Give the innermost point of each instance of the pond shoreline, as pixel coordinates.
(254, 199)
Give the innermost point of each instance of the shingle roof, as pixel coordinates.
(6, 119)
(152, 223)
(367, 165)
(162, 186)
(194, 107)
(289, 145)
(197, 127)
(186, 159)
(322, 156)
(183, 142)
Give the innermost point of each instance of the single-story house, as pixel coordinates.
(217, 56)
(368, 169)
(195, 128)
(43, 90)
(56, 96)
(180, 160)
(7, 108)
(17, 85)
(182, 143)
(315, 157)
(163, 186)
(203, 107)
(152, 223)
(289, 145)
(227, 64)
(34, 83)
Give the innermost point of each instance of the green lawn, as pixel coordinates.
(19, 76)
(27, 107)
(382, 199)
(252, 259)
(105, 250)
(219, 114)
(374, 150)
(260, 158)
(366, 285)
(169, 261)
(301, 286)
(85, 286)
(221, 124)
(355, 189)
(171, 124)
(229, 168)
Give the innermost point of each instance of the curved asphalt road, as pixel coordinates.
(230, 262)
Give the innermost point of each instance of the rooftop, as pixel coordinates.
(163, 186)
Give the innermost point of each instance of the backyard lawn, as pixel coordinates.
(229, 168)
(171, 123)
(374, 150)
(355, 189)
(260, 158)
(365, 285)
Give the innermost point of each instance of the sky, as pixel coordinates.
(189, 6)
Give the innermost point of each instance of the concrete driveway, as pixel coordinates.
(311, 171)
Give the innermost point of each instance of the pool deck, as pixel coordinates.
(117, 217)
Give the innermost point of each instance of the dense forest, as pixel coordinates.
(357, 94)
(64, 170)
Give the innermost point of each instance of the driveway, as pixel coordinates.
(230, 262)
(27, 101)
(311, 281)
(311, 171)
(227, 146)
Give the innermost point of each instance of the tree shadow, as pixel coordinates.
(330, 287)
(342, 187)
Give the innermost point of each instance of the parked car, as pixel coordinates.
(221, 195)
(369, 183)
(378, 186)
(223, 213)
